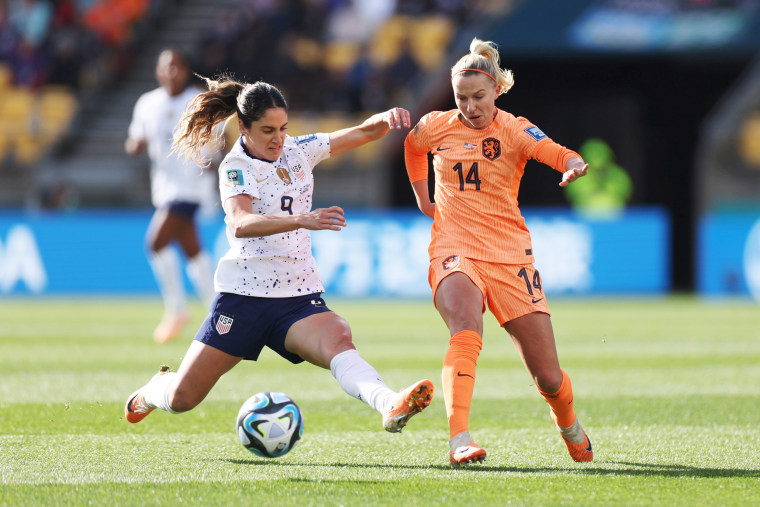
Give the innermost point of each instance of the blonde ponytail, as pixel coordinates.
(484, 58)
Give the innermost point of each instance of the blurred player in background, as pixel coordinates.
(268, 283)
(480, 253)
(178, 189)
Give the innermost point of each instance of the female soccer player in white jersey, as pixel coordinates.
(268, 284)
(178, 188)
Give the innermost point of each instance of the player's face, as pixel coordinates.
(171, 72)
(475, 96)
(266, 136)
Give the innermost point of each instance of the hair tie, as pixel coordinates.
(478, 70)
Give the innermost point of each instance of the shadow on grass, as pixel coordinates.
(597, 468)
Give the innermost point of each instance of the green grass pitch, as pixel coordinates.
(668, 390)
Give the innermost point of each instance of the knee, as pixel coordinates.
(461, 313)
(459, 321)
(548, 381)
(339, 340)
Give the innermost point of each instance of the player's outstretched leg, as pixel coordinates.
(576, 440)
(137, 408)
(407, 403)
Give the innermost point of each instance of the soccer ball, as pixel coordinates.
(269, 424)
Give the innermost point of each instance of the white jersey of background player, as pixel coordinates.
(178, 189)
(280, 265)
(155, 116)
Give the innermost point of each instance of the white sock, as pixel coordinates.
(156, 393)
(165, 264)
(574, 433)
(201, 273)
(359, 379)
(459, 440)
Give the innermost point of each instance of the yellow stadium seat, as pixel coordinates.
(388, 40)
(430, 37)
(6, 76)
(341, 56)
(17, 106)
(28, 148)
(307, 53)
(56, 108)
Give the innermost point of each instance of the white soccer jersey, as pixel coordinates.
(279, 265)
(155, 117)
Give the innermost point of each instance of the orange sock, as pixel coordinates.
(561, 402)
(458, 378)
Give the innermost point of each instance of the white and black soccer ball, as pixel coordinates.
(269, 424)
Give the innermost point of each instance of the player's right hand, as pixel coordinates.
(324, 219)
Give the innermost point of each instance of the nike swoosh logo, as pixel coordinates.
(262, 179)
(536, 300)
(441, 149)
(460, 374)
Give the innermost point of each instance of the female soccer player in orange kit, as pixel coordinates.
(480, 252)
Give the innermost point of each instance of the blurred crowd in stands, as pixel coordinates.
(67, 42)
(50, 51)
(338, 55)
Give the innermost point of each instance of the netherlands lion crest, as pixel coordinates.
(491, 148)
(450, 262)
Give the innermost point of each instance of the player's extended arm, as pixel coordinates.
(247, 224)
(574, 169)
(568, 162)
(374, 127)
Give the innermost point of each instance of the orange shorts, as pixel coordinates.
(509, 290)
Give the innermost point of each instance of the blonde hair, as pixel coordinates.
(484, 58)
(224, 97)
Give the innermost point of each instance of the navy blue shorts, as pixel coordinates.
(184, 209)
(243, 325)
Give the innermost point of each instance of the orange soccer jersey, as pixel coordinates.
(477, 179)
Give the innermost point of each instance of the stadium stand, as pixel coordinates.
(91, 59)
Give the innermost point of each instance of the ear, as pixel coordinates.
(241, 126)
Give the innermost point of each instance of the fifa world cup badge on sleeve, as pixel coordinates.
(234, 177)
(535, 132)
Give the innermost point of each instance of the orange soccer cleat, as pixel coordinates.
(409, 402)
(136, 410)
(467, 454)
(578, 451)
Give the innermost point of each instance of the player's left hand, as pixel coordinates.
(573, 174)
(397, 117)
